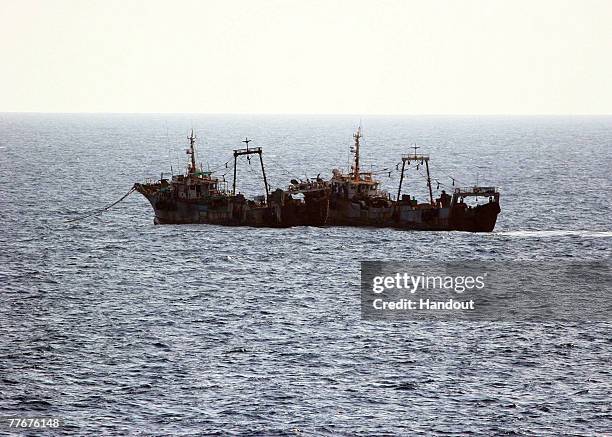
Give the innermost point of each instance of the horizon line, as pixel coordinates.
(510, 114)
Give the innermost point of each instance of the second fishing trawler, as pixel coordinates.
(357, 200)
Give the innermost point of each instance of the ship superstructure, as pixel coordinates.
(356, 197)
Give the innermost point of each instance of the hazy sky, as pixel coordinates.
(307, 56)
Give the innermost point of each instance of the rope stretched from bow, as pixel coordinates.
(101, 210)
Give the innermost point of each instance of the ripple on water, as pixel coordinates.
(123, 327)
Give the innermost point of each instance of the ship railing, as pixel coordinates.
(476, 191)
(248, 150)
(307, 186)
(413, 157)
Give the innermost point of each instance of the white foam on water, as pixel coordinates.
(557, 233)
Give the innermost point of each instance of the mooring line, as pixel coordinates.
(101, 210)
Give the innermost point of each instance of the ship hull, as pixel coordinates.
(192, 214)
(481, 218)
(234, 211)
(344, 212)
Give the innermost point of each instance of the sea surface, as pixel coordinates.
(122, 327)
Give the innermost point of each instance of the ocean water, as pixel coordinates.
(122, 327)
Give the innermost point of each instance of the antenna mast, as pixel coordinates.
(191, 139)
(357, 135)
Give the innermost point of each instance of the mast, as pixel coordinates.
(399, 189)
(236, 155)
(357, 135)
(423, 159)
(429, 182)
(253, 151)
(234, 183)
(263, 171)
(246, 141)
(191, 139)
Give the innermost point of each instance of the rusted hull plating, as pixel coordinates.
(236, 211)
(318, 212)
(480, 218)
(344, 212)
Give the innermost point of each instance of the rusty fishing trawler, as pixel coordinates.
(357, 200)
(199, 197)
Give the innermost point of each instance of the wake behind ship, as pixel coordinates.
(199, 197)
